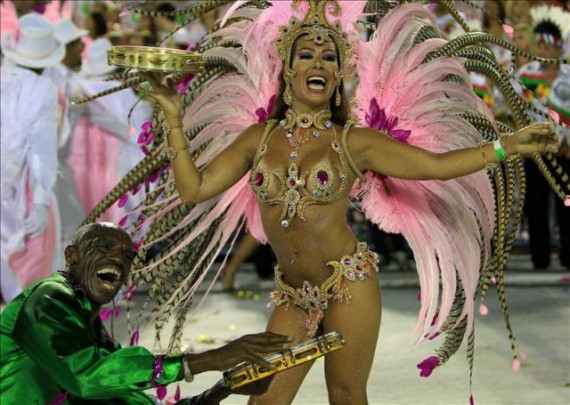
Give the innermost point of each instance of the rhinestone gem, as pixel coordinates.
(316, 193)
(316, 134)
(258, 179)
(350, 275)
(347, 262)
(325, 306)
(282, 123)
(322, 177)
(361, 277)
(342, 176)
(328, 124)
(289, 134)
(284, 223)
(294, 154)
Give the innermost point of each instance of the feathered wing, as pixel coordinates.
(448, 224)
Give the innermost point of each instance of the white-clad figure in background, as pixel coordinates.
(30, 229)
(104, 146)
(63, 76)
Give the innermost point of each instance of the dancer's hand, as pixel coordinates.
(247, 348)
(538, 137)
(164, 93)
(37, 220)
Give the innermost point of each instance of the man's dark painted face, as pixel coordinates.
(104, 263)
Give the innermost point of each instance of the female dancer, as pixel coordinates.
(302, 167)
(292, 177)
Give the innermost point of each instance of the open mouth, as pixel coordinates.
(109, 276)
(316, 83)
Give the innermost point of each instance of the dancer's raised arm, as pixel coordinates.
(382, 154)
(195, 185)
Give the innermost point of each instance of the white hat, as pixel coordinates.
(95, 63)
(66, 31)
(36, 46)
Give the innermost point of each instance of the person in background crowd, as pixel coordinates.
(104, 144)
(551, 24)
(63, 77)
(30, 235)
(518, 12)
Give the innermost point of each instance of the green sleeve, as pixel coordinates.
(53, 328)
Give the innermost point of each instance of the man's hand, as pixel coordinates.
(250, 348)
(36, 221)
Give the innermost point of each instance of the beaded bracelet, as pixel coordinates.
(170, 152)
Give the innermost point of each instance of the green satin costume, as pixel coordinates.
(54, 346)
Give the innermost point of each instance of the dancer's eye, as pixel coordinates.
(330, 58)
(304, 55)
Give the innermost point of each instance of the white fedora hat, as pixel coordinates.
(95, 63)
(36, 46)
(66, 31)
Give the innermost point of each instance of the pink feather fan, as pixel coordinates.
(446, 223)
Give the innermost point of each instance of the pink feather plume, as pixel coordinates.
(445, 222)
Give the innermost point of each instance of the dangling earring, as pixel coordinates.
(288, 95)
(338, 97)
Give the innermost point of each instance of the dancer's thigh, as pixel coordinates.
(347, 370)
(284, 387)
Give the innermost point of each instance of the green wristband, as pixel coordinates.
(499, 150)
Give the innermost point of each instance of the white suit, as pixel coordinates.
(28, 126)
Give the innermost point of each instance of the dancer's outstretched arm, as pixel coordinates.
(196, 185)
(379, 152)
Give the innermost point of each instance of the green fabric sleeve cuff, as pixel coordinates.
(171, 369)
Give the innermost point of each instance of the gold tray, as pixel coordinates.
(247, 372)
(155, 59)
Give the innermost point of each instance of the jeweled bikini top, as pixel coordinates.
(327, 182)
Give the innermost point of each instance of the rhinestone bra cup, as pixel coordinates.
(326, 183)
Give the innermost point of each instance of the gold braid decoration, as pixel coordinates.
(127, 74)
(448, 5)
(472, 38)
(548, 176)
(135, 176)
(158, 277)
(194, 11)
(202, 79)
(183, 286)
(126, 85)
(521, 122)
(454, 332)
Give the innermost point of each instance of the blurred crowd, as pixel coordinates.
(59, 158)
